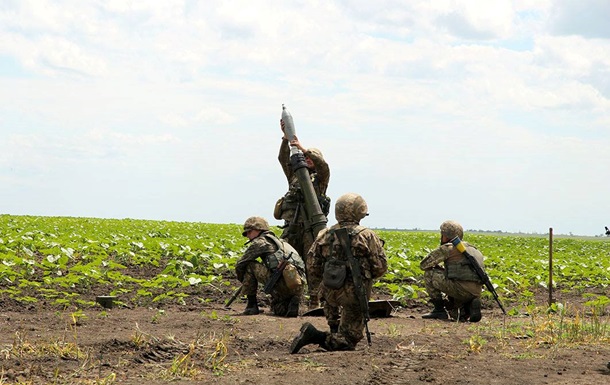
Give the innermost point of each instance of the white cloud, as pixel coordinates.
(178, 103)
(587, 18)
(481, 20)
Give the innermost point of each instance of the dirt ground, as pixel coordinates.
(202, 342)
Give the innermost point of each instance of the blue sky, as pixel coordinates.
(495, 114)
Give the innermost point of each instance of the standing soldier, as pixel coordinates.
(287, 292)
(456, 278)
(291, 207)
(328, 262)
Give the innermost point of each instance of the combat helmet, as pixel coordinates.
(255, 223)
(452, 229)
(316, 152)
(350, 207)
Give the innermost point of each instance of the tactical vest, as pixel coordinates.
(283, 249)
(338, 254)
(457, 266)
(294, 196)
(337, 249)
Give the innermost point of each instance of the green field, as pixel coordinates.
(64, 261)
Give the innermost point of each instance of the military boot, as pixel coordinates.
(475, 310)
(293, 307)
(334, 328)
(438, 312)
(308, 335)
(251, 306)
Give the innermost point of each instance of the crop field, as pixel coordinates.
(66, 261)
(171, 280)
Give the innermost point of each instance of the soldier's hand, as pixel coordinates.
(295, 142)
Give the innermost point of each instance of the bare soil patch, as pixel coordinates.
(202, 342)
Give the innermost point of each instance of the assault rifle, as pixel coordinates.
(277, 274)
(457, 243)
(354, 264)
(233, 298)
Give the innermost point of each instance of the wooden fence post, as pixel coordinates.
(551, 266)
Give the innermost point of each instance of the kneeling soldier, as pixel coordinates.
(343, 293)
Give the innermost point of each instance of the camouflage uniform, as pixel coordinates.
(292, 206)
(250, 272)
(455, 278)
(341, 306)
(368, 250)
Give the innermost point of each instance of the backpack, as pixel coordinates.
(335, 268)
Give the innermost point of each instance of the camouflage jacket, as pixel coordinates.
(320, 177)
(262, 247)
(455, 264)
(367, 247)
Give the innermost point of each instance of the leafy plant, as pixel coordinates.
(63, 260)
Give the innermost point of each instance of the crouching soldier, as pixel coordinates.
(334, 259)
(286, 293)
(447, 271)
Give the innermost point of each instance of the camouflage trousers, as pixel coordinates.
(281, 294)
(342, 311)
(301, 239)
(437, 283)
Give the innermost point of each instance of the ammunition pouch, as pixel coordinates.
(272, 261)
(292, 199)
(287, 206)
(335, 271)
(461, 271)
(291, 277)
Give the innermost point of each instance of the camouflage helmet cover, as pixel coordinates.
(316, 152)
(255, 223)
(452, 229)
(350, 207)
